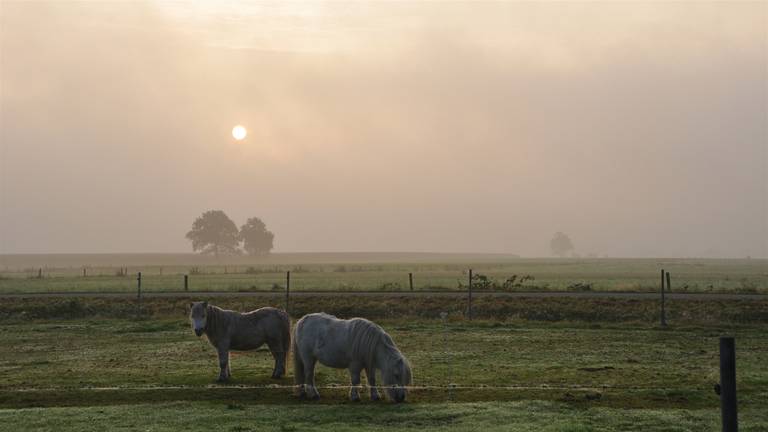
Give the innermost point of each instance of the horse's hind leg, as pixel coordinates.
(279, 355)
(298, 374)
(309, 377)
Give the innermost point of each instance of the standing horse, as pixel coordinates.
(229, 330)
(354, 344)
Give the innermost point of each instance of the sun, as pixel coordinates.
(239, 132)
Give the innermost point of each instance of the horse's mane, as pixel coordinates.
(216, 319)
(366, 337)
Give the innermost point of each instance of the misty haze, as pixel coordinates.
(639, 129)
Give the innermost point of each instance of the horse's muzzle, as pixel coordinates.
(199, 332)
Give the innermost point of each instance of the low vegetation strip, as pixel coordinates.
(549, 309)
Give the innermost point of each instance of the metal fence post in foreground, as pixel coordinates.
(663, 312)
(469, 296)
(728, 405)
(287, 292)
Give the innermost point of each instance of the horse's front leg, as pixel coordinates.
(225, 373)
(371, 374)
(354, 391)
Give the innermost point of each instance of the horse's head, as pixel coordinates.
(197, 315)
(396, 378)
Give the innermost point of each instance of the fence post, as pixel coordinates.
(663, 311)
(186, 282)
(410, 280)
(669, 284)
(728, 405)
(84, 272)
(287, 291)
(138, 286)
(40, 273)
(469, 296)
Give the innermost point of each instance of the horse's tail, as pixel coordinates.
(298, 364)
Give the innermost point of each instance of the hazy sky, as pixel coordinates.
(640, 129)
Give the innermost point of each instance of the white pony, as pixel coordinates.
(354, 344)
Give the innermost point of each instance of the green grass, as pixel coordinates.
(60, 362)
(84, 371)
(486, 416)
(310, 272)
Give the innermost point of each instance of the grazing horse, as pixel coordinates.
(229, 330)
(354, 344)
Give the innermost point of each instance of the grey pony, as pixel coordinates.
(356, 344)
(229, 330)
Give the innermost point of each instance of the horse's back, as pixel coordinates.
(325, 337)
(253, 328)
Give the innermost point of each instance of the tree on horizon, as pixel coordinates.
(257, 240)
(561, 245)
(214, 233)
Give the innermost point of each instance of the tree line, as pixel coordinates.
(214, 233)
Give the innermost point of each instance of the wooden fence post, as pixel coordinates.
(138, 287)
(287, 292)
(40, 273)
(663, 311)
(84, 274)
(728, 405)
(186, 282)
(410, 280)
(469, 296)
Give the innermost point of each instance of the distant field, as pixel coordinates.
(373, 271)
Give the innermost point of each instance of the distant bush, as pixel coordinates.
(580, 286)
(390, 286)
(483, 282)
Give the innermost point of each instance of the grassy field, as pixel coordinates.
(385, 272)
(67, 369)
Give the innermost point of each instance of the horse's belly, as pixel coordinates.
(245, 343)
(332, 356)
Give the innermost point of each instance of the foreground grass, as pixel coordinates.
(485, 416)
(103, 362)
